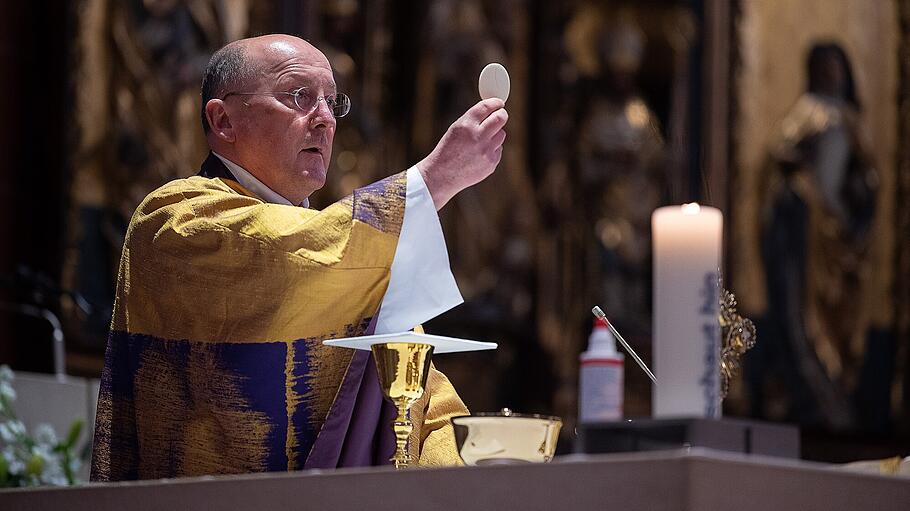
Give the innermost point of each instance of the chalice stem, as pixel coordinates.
(403, 427)
(403, 368)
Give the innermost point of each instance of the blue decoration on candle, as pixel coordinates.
(710, 339)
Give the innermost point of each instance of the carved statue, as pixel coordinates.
(817, 225)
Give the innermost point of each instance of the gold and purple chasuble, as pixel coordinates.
(215, 362)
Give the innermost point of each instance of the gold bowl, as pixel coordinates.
(506, 438)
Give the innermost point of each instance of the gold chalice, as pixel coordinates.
(403, 363)
(403, 368)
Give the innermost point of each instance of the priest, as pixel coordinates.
(229, 283)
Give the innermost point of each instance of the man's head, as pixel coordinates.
(266, 133)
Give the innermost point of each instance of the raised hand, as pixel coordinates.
(467, 153)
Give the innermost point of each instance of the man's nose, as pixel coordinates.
(322, 115)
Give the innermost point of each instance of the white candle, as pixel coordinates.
(686, 346)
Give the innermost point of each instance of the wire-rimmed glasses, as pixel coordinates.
(339, 104)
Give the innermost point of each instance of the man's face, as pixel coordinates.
(285, 147)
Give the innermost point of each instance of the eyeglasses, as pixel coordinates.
(339, 104)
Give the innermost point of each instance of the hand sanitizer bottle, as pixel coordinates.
(601, 378)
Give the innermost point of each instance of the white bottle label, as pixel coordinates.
(601, 382)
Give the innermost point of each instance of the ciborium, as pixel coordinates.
(403, 368)
(505, 438)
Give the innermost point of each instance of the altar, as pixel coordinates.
(681, 480)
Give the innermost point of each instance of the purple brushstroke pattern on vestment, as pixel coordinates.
(381, 204)
(358, 430)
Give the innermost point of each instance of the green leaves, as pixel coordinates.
(73, 436)
(4, 471)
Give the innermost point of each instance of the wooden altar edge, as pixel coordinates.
(682, 480)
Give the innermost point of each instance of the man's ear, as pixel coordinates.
(219, 120)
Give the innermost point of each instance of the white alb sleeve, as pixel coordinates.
(421, 285)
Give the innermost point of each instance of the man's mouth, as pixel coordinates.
(314, 150)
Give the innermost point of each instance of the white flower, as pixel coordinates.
(14, 463)
(7, 391)
(44, 434)
(58, 479)
(31, 461)
(44, 466)
(11, 430)
(6, 374)
(43, 452)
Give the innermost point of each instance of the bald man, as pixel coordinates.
(229, 283)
